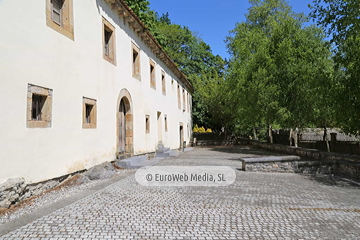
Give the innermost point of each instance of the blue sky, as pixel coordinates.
(212, 19)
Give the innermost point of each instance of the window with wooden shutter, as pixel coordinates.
(184, 101)
(109, 49)
(136, 62)
(152, 75)
(163, 82)
(147, 123)
(56, 11)
(59, 16)
(179, 98)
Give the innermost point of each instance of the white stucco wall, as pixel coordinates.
(33, 53)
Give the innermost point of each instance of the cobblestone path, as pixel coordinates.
(256, 206)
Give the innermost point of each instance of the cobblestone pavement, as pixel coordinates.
(256, 206)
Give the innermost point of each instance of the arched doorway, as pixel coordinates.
(122, 127)
(124, 123)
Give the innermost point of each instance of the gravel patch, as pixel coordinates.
(52, 197)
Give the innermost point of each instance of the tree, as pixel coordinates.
(341, 19)
(274, 63)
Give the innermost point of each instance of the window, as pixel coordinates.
(108, 42)
(152, 75)
(136, 62)
(166, 124)
(56, 6)
(184, 101)
(107, 36)
(163, 82)
(172, 85)
(38, 102)
(188, 99)
(39, 106)
(179, 98)
(147, 123)
(89, 113)
(59, 16)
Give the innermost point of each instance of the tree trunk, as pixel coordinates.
(254, 129)
(290, 136)
(325, 139)
(271, 140)
(296, 137)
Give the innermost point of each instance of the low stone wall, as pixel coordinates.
(318, 161)
(270, 164)
(285, 167)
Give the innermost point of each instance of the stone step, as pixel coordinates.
(162, 150)
(129, 162)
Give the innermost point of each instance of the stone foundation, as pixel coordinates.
(15, 190)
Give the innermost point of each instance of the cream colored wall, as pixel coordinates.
(33, 53)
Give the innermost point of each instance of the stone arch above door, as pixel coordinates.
(129, 141)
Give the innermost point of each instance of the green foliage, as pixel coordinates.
(342, 23)
(275, 67)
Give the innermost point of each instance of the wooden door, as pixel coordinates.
(181, 133)
(122, 127)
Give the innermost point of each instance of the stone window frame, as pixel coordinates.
(163, 82)
(109, 56)
(46, 108)
(93, 114)
(136, 70)
(147, 123)
(152, 74)
(66, 26)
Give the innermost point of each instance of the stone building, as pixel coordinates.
(83, 82)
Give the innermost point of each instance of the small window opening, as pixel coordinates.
(88, 109)
(38, 102)
(147, 123)
(152, 77)
(135, 62)
(107, 36)
(163, 83)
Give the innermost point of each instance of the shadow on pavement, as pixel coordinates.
(243, 149)
(331, 180)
